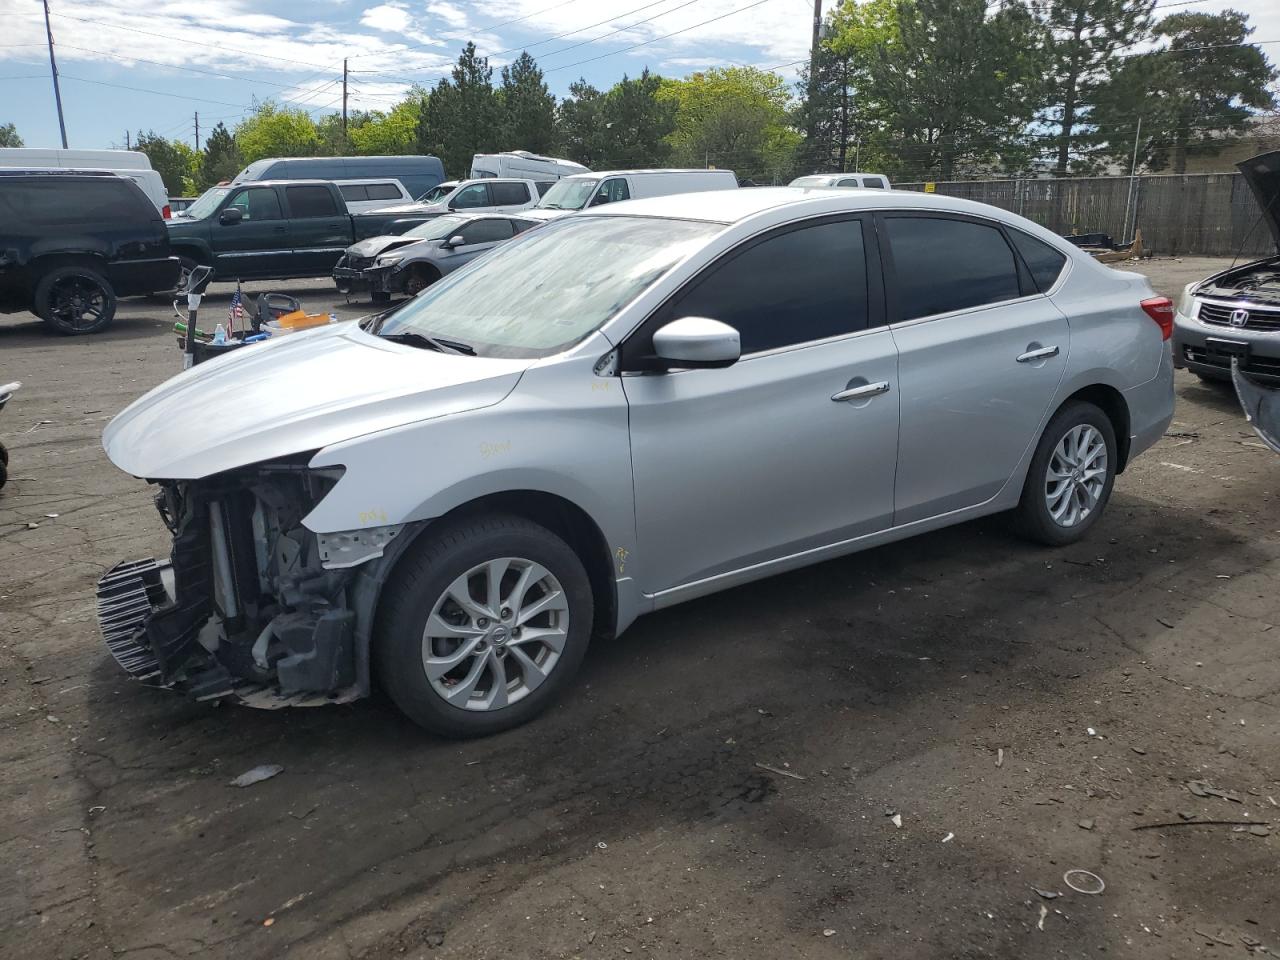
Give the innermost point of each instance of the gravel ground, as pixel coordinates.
(724, 779)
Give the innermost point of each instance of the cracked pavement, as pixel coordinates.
(952, 680)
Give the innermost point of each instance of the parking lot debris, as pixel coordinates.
(1092, 732)
(1212, 939)
(1202, 823)
(1139, 751)
(828, 932)
(1044, 912)
(1047, 894)
(1084, 881)
(434, 939)
(1260, 830)
(948, 838)
(263, 772)
(1086, 824)
(32, 526)
(781, 773)
(896, 819)
(1202, 788)
(1000, 757)
(51, 516)
(1164, 623)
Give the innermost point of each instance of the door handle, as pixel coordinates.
(1040, 354)
(862, 392)
(277, 229)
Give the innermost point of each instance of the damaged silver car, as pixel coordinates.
(625, 409)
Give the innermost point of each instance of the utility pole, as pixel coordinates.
(197, 131)
(1133, 169)
(811, 117)
(344, 98)
(53, 65)
(127, 144)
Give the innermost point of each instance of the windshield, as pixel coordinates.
(568, 195)
(438, 192)
(437, 229)
(207, 203)
(547, 290)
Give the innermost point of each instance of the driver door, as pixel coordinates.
(477, 236)
(740, 467)
(259, 242)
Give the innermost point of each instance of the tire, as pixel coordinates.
(419, 279)
(1034, 517)
(4, 470)
(75, 300)
(468, 649)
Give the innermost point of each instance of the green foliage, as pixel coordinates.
(275, 131)
(636, 124)
(528, 110)
(176, 162)
(580, 124)
(732, 118)
(1201, 86)
(1085, 38)
(221, 158)
(388, 134)
(460, 118)
(9, 136)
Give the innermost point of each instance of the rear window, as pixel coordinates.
(505, 192)
(382, 191)
(353, 191)
(57, 201)
(311, 202)
(1044, 262)
(944, 265)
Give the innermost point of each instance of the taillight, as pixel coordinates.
(168, 214)
(1160, 309)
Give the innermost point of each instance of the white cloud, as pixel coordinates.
(450, 13)
(387, 17)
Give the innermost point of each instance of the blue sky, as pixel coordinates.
(128, 65)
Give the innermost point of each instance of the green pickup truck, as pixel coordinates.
(273, 230)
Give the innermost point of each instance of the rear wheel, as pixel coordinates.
(1071, 475)
(75, 299)
(483, 625)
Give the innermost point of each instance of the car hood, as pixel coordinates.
(545, 214)
(296, 393)
(1262, 173)
(374, 246)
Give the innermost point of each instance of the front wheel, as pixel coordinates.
(483, 625)
(1070, 478)
(74, 300)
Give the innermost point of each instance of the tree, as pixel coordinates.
(579, 120)
(220, 159)
(461, 115)
(174, 160)
(275, 131)
(389, 134)
(959, 87)
(9, 135)
(1190, 95)
(733, 118)
(528, 108)
(1085, 37)
(636, 123)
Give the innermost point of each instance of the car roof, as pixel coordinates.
(731, 206)
(633, 173)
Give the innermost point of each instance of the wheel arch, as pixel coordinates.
(558, 514)
(1111, 401)
(48, 262)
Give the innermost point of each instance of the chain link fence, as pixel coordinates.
(1207, 214)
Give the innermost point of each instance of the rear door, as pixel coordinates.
(474, 196)
(259, 244)
(981, 355)
(510, 194)
(321, 229)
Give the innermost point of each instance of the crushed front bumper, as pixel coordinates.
(375, 279)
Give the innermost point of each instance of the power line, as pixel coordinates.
(174, 66)
(613, 33)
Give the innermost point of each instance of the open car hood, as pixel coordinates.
(293, 394)
(374, 246)
(1262, 173)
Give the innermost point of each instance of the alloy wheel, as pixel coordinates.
(496, 634)
(1076, 475)
(78, 302)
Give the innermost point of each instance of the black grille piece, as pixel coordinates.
(1264, 368)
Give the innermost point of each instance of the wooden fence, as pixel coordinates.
(1207, 214)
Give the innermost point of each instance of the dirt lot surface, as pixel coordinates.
(724, 778)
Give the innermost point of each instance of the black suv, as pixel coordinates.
(71, 243)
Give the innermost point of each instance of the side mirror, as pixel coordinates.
(598, 199)
(230, 216)
(697, 342)
(457, 240)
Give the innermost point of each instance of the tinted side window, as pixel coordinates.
(520, 226)
(507, 192)
(353, 191)
(382, 191)
(1044, 262)
(476, 195)
(544, 185)
(944, 265)
(311, 202)
(257, 203)
(798, 286)
(611, 191)
(877, 182)
(60, 202)
(487, 231)
(848, 182)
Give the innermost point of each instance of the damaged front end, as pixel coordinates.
(251, 604)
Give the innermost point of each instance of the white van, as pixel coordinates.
(364, 195)
(487, 194)
(523, 165)
(873, 181)
(592, 189)
(130, 164)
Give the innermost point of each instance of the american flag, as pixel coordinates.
(235, 312)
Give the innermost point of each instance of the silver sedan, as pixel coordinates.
(622, 410)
